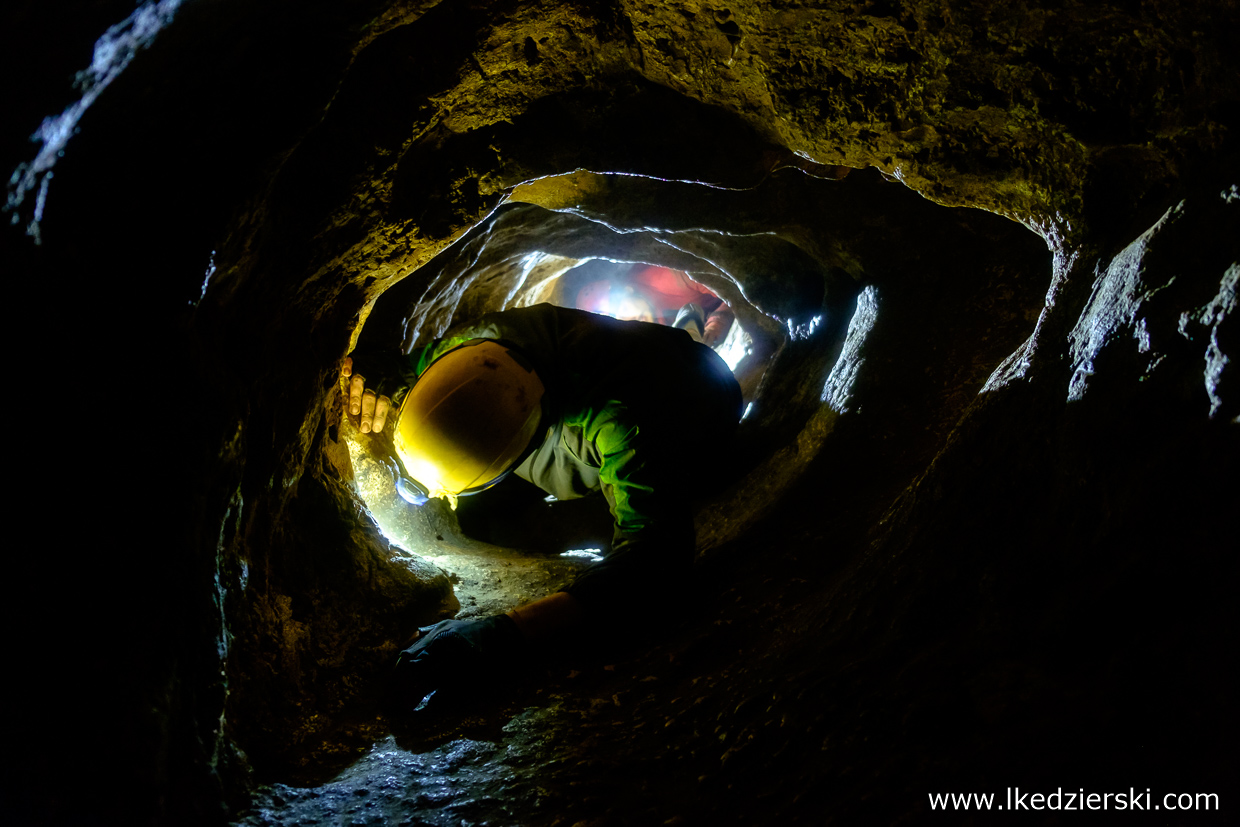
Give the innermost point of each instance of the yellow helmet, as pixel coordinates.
(468, 418)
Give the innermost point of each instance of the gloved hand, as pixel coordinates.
(452, 653)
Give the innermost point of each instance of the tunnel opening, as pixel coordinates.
(910, 587)
(510, 546)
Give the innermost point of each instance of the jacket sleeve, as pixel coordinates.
(652, 544)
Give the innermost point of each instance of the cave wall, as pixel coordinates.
(240, 195)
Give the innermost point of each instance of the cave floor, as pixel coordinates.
(649, 732)
(811, 680)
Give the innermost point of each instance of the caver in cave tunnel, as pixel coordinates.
(976, 528)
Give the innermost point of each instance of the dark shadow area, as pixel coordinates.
(518, 515)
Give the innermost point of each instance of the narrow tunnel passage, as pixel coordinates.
(970, 282)
(509, 262)
(975, 524)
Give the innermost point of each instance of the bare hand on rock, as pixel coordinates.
(370, 410)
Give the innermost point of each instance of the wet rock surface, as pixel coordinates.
(977, 533)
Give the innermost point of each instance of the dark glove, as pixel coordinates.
(453, 653)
